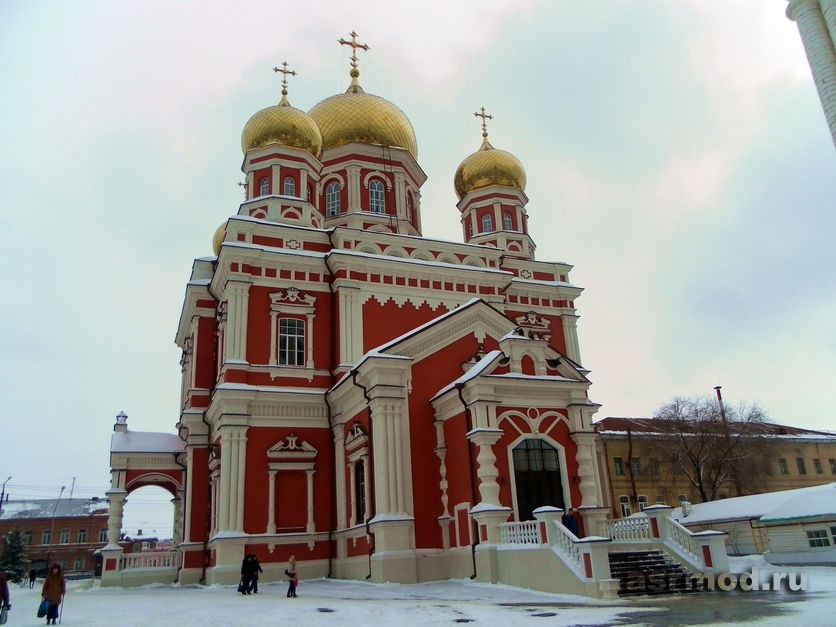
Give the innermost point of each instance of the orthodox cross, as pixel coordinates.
(354, 45)
(244, 185)
(485, 117)
(283, 70)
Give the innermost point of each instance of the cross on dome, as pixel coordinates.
(354, 45)
(485, 117)
(284, 71)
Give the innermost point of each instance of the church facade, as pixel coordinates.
(371, 401)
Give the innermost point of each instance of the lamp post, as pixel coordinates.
(52, 529)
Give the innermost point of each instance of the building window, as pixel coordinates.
(802, 468)
(818, 538)
(682, 498)
(832, 466)
(506, 222)
(642, 502)
(359, 492)
(618, 466)
(782, 466)
(817, 466)
(289, 186)
(410, 206)
(332, 199)
(291, 342)
(635, 466)
(660, 499)
(376, 202)
(27, 538)
(487, 223)
(65, 536)
(82, 536)
(79, 564)
(102, 535)
(833, 534)
(624, 502)
(653, 467)
(46, 536)
(264, 187)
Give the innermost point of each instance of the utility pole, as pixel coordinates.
(52, 530)
(3, 498)
(720, 401)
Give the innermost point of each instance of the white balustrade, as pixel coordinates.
(682, 540)
(156, 559)
(520, 533)
(631, 530)
(572, 549)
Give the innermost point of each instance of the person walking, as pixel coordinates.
(256, 569)
(246, 574)
(570, 521)
(55, 587)
(292, 578)
(5, 599)
(33, 574)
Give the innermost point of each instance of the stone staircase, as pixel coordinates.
(651, 573)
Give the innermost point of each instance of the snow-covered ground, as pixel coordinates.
(336, 602)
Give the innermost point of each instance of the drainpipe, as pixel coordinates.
(469, 419)
(333, 474)
(209, 497)
(370, 476)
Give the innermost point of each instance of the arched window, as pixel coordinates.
(291, 342)
(264, 187)
(376, 204)
(289, 186)
(332, 199)
(359, 492)
(506, 222)
(409, 206)
(487, 223)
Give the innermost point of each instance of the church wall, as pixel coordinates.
(428, 376)
(198, 492)
(382, 323)
(257, 176)
(459, 473)
(204, 357)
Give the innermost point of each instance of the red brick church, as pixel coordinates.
(374, 402)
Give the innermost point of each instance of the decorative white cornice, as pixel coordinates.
(291, 447)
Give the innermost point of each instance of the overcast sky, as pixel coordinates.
(676, 154)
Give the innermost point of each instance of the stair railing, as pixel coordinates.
(527, 532)
(681, 539)
(631, 530)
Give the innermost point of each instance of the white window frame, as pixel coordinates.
(292, 304)
(82, 536)
(487, 223)
(291, 333)
(818, 538)
(289, 186)
(64, 537)
(507, 221)
(332, 199)
(103, 534)
(624, 505)
(377, 197)
(264, 187)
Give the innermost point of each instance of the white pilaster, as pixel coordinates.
(116, 503)
(570, 335)
(271, 502)
(353, 188)
(276, 179)
(353, 489)
(339, 473)
(235, 331)
(311, 527)
(488, 486)
(223, 488)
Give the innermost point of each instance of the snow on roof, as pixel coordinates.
(44, 508)
(268, 388)
(274, 249)
(549, 283)
(145, 442)
(534, 377)
(800, 502)
(478, 368)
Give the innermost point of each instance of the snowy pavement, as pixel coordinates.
(339, 602)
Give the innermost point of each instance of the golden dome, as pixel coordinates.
(356, 116)
(218, 238)
(488, 166)
(284, 125)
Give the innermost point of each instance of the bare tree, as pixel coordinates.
(717, 456)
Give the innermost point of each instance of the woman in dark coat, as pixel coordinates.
(256, 569)
(292, 578)
(55, 586)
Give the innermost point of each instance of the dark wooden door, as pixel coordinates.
(536, 477)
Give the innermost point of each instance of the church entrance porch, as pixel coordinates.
(537, 477)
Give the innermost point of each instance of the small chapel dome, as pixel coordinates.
(488, 166)
(356, 116)
(218, 238)
(284, 125)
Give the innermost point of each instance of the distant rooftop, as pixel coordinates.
(145, 442)
(44, 508)
(615, 425)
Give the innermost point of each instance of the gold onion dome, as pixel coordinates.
(488, 166)
(356, 116)
(284, 125)
(218, 238)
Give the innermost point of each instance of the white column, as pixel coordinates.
(241, 437)
(176, 536)
(497, 216)
(819, 46)
(382, 467)
(311, 525)
(271, 503)
(303, 183)
(400, 196)
(589, 488)
(339, 473)
(366, 489)
(570, 335)
(235, 331)
(252, 192)
(224, 492)
(352, 486)
(116, 502)
(353, 188)
(486, 460)
(309, 340)
(277, 180)
(274, 335)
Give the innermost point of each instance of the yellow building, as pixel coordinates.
(637, 474)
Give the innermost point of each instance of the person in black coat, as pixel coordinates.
(255, 566)
(570, 521)
(248, 572)
(292, 578)
(33, 574)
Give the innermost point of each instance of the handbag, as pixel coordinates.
(43, 608)
(242, 587)
(4, 615)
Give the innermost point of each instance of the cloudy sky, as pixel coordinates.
(676, 154)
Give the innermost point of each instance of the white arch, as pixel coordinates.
(370, 248)
(422, 253)
(333, 175)
(447, 258)
(561, 458)
(470, 260)
(395, 251)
